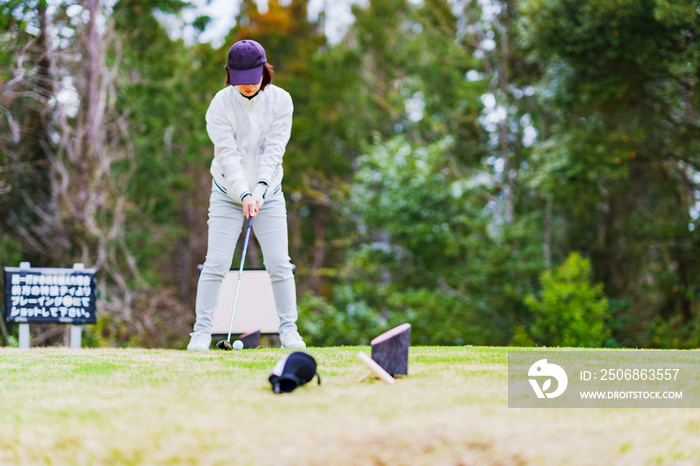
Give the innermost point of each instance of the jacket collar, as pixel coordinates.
(243, 100)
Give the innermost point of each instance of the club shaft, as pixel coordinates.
(240, 272)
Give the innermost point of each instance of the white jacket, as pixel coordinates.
(250, 137)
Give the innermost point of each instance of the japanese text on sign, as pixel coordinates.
(37, 295)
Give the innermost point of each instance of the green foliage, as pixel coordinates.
(521, 337)
(13, 341)
(10, 251)
(571, 311)
(10, 256)
(25, 125)
(351, 323)
(431, 251)
(671, 333)
(621, 155)
(165, 89)
(436, 318)
(440, 318)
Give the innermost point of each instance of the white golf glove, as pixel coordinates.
(259, 194)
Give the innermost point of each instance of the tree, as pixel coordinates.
(26, 87)
(435, 243)
(620, 159)
(430, 251)
(572, 311)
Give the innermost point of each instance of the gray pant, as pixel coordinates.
(270, 228)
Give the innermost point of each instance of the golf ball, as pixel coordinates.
(238, 344)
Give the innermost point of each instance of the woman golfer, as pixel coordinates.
(249, 122)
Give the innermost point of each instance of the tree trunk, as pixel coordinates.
(503, 80)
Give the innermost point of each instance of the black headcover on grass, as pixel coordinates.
(292, 371)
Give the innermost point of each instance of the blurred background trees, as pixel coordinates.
(494, 172)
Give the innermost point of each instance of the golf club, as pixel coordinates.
(226, 344)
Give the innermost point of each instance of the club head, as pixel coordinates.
(224, 345)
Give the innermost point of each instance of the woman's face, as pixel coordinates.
(249, 89)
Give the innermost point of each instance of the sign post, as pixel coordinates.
(23, 328)
(23, 336)
(46, 295)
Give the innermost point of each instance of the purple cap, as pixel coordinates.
(245, 62)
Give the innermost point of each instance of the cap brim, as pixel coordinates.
(251, 76)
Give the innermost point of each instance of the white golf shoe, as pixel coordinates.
(200, 341)
(291, 339)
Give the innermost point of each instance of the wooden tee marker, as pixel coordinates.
(389, 353)
(375, 369)
(251, 340)
(390, 349)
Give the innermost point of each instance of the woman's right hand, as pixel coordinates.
(250, 207)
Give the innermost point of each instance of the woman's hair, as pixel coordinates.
(268, 73)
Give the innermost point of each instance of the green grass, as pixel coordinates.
(99, 406)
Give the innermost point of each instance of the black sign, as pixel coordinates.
(50, 295)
